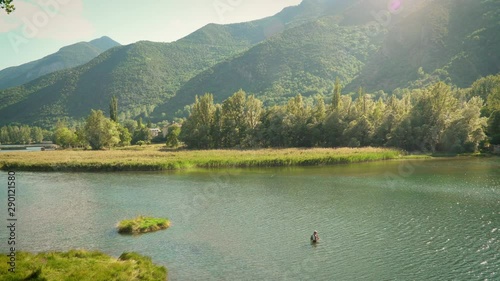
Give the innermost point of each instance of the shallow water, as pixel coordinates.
(417, 220)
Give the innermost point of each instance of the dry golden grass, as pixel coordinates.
(157, 157)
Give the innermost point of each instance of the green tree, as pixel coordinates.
(81, 138)
(494, 127)
(336, 123)
(359, 132)
(253, 113)
(336, 94)
(139, 123)
(196, 131)
(113, 109)
(130, 125)
(296, 123)
(319, 110)
(125, 136)
(37, 134)
(173, 136)
(234, 123)
(7, 6)
(484, 86)
(361, 101)
(466, 131)
(100, 131)
(14, 134)
(316, 127)
(24, 134)
(493, 101)
(63, 136)
(431, 116)
(4, 135)
(271, 130)
(142, 134)
(216, 129)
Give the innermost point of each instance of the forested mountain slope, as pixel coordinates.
(303, 49)
(67, 57)
(141, 75)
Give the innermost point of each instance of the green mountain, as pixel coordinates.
(283, 66)
(300, 50)
(141, 75)
(453, 41)
(67, 57)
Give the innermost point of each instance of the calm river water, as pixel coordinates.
(416, 220)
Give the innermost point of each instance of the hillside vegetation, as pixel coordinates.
(301, 50)
(67, 57)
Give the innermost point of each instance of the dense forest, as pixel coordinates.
(437, 118)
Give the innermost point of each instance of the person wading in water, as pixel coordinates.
(315, 237)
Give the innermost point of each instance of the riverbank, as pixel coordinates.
(157, 158)
(81, 265)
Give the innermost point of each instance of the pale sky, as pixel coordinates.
(40, 27)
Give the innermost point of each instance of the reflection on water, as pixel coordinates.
(378, 221)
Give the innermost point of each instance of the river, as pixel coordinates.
(394, 220)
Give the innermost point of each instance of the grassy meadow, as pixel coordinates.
(81, 265)
(158, 158)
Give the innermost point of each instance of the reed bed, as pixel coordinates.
(157, 158)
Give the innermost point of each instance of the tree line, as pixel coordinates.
(99, 131)
(437, 118)
(23, 134)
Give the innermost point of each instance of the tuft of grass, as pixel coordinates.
(81, 265)
(142, 224)
(157, 158)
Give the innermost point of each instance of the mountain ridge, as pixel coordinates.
(66, 57)
(142, 75)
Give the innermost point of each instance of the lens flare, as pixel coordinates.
(395, 5)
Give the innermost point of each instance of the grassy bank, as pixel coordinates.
(142, 225)
(156, 158)
(81, 265)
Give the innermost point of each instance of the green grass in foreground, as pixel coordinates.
(142, 225)
(157, 158)
(81, 265)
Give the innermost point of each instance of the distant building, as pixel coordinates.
(154, 132)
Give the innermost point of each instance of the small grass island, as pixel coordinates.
(142, 224)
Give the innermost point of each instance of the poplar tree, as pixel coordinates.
(336, 94)
(100, 131)
(113, 109)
